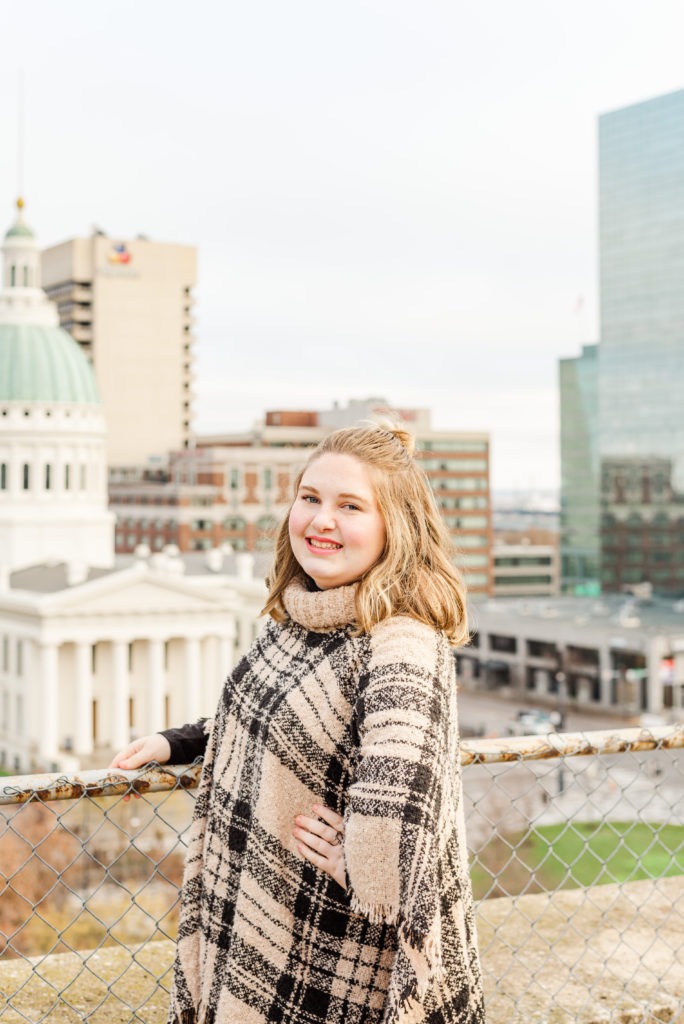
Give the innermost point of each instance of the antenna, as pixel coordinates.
(20, 135)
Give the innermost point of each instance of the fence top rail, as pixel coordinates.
(154, 778)
(570, 744)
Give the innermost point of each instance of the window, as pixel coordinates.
(471, 541)
(464, 483)
(234, 479)
(469, 503)
(67, 477)
(20, 658)
(268, 479)
(451, 446)
(521, 581)
(26, 476)
(451, 465)
(473, 560)
(3, 476)
(507, 644)
(234, 523)
(83, 478)
(48, 472)
(473, 522)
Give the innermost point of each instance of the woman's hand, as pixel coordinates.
(142, 751)
(322, 842)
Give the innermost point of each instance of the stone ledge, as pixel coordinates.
(608, 954)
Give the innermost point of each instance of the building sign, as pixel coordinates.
(667, 671)
(119, 254)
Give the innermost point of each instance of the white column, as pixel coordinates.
(655, 652)
(192, 683)
(48, 704)
(209, 687)
(606, 674)
(227, 653)
(678, 684)
(120, 731)
(155, 685)
(83, 712)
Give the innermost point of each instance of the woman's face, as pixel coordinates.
(336, 530)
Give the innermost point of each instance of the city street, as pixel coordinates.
(490, 714)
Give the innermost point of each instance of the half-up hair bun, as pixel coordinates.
(399, 433)
(404, 437)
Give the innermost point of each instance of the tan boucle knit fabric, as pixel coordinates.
(366, 725)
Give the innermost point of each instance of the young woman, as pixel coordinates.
(326, 875)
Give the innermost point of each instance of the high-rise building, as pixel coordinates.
(129, 306)
(580, 513)
(631, 491)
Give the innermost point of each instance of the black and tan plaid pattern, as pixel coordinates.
(367, 726)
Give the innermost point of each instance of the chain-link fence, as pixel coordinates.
(577, 847)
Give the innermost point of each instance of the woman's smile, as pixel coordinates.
(325, 547)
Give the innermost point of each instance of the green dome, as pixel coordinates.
(20, 230)
(43, 364)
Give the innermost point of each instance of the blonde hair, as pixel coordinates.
(414, 575)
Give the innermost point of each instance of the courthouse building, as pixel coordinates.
(93, 650)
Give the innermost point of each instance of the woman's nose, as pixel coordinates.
(324, 518)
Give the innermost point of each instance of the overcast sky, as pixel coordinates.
(388, 198)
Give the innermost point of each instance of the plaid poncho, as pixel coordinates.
(366, 725)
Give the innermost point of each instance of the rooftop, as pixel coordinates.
(597, 615)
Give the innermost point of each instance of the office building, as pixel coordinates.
(623, 451)
(615, 654)
(129, 306)
(580, 479)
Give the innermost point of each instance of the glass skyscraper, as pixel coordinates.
(623, 449)
(580, 512)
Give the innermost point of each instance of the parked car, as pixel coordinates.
(533, 722)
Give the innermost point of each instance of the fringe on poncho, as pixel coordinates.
(366, 725)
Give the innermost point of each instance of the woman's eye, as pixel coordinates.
(311, 498)
(355, 508)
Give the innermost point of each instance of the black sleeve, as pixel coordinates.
(188, 742)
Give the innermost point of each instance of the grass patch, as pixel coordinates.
(577, 854)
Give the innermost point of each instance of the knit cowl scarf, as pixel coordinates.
(386, 703)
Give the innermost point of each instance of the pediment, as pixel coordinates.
(121, 593)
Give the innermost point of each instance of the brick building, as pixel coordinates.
(235, 488)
